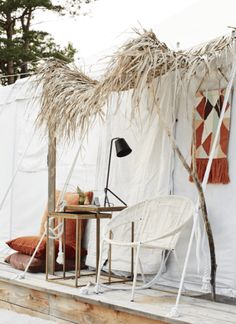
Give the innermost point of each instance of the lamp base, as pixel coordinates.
(106, 200)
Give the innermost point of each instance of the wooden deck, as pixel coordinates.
(35, 296)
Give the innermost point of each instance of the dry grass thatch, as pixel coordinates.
(71, 100)
(68, 100)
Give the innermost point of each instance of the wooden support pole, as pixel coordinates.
(51, 198)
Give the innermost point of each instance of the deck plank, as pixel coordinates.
(71, 309)
(21, 296)
(67, 303)
(27, 311)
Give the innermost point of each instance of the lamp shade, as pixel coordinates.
(122, 148)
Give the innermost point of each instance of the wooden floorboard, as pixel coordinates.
(67, 305)
(27, 311)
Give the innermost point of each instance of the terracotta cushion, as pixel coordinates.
(70, 225)
(27, 245)
(71, 199)
(20, 261)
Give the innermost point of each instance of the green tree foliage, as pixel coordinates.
(20, 45)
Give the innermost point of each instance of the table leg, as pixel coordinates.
(80, 244)
(64, 247)
(109, 258)
(77, 251)
(97, 243)
(47, 247)
(132, 251)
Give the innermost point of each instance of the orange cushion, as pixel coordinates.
(20, 261)
(71, 199)
(70, 225)
(27, 245)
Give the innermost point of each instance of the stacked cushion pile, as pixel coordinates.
(25, 246)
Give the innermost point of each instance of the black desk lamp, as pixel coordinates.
(122, 149)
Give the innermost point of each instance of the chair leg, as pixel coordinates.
(178, 267)
(141, 269)
(135, 272)
(157, 276)
(99, 269)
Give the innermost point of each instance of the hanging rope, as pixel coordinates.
(54, 234)
(62, 203)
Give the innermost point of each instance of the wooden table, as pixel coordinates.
(79, 213)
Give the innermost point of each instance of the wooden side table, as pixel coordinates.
(79, 213)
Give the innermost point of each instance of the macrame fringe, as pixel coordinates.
(219, 170)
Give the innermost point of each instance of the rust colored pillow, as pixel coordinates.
(20, 261)
(71, 232)
(71, 199)
(27, 245)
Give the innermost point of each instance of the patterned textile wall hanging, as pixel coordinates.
(206, 118)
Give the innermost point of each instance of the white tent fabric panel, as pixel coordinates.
(220, 200)
(144, 174)
(22, 210)
(6, 164)
(23, 147)
(84, 174)
(29, 196)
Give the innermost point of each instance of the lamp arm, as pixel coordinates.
(108, 172)
(109, 162)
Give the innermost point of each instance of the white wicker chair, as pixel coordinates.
(158, 224)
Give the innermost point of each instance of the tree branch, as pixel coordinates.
(201, 195)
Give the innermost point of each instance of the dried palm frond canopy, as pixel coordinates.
(71, 100)
(68, 100)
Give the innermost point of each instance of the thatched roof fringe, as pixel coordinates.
(71, 100)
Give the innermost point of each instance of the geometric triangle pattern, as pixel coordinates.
(206, 118)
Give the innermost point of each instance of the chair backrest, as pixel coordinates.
(156, 218)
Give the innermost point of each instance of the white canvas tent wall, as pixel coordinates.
(220, 205)
(220, 202)
(152, 169)
(22, 211)
(15, 137)
(219, 197)
(30, 185)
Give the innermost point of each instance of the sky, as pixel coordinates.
(109, 23)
